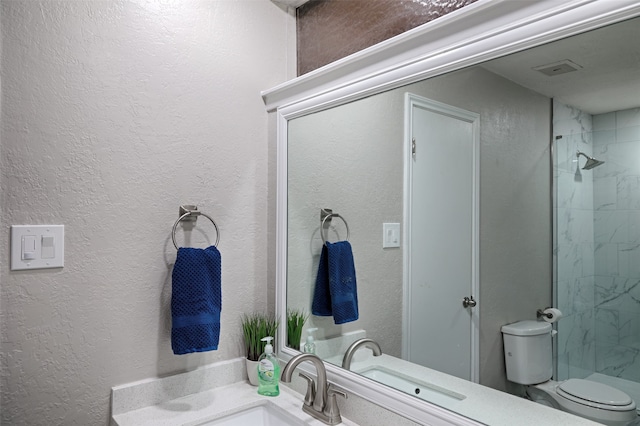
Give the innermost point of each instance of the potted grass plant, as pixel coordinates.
(255, 327)
(295, 322)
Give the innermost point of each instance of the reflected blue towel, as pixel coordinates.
(321, 304)
(196, 300)
(336, 292)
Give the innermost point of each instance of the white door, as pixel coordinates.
(441, 217)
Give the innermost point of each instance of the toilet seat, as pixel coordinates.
(595, 395)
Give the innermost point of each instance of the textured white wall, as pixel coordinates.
(113, 114)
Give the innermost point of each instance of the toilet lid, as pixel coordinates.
(595, 392)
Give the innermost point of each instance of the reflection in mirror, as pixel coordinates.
(356, 159)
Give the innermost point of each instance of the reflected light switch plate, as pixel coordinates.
(390, 235)
(37, 246)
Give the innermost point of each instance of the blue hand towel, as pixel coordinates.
(196, 300)
(336, 291)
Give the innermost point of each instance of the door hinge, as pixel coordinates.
(413, 147)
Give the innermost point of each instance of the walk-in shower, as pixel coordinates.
(597, 246)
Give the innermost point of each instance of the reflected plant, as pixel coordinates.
(295, 322)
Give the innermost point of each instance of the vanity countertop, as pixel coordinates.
(192, 410)
(481, 403)
(216, 390)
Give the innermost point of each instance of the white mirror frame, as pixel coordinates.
(482, 31)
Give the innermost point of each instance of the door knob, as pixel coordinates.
(468, 302)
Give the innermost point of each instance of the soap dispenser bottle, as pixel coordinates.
(310, 345)
(268, 371)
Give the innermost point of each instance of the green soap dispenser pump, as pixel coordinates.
(268, 371)
(310, 346)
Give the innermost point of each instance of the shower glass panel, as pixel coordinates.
(597, 246)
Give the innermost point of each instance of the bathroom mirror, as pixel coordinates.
(344, 145)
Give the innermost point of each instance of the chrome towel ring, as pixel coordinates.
(191, 213)
(326, 215)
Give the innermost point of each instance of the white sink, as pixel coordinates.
(423, 390)
(262, 415)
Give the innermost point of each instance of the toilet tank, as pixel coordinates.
(527, 352)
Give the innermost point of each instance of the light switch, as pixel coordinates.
(390, 235)
(37, 246)
(48, 247)
(28, 247)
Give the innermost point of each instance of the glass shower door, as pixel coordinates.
(597, 248)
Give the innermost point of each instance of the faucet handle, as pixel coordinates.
(311, 390)
(333, 390)
(332, 411)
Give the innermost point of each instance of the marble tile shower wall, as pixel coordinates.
(574, 243)
(616, 140)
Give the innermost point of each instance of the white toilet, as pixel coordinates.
(527, 352)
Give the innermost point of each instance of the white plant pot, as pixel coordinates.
(252, 371)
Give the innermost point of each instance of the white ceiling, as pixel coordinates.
(608, 81)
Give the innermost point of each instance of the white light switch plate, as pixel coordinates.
(390, 235)
(47, 255)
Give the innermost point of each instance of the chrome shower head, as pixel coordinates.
(591, 162)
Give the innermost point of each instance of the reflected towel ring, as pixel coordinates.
(329, 216)
(194, 213)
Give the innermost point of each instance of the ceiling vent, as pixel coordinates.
(557, 68)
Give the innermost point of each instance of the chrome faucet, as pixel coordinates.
(320, 401)
(369, 343)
